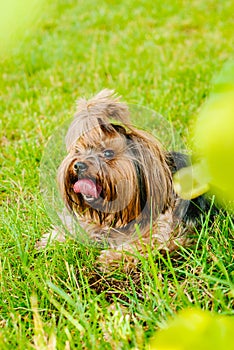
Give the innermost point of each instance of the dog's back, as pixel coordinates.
(190, 211)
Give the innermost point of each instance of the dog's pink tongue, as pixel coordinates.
(87, 187)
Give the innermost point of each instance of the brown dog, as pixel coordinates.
(116, 181)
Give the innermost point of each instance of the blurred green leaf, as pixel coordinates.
(195, 329)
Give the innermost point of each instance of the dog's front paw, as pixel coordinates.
(111, 259)
(109, 256)
(50, 237)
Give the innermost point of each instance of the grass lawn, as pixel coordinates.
(161, 55)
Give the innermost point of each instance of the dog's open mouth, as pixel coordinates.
(88, 188)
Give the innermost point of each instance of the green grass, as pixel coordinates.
(161, 55)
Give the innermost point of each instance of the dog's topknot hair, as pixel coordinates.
(101, 109)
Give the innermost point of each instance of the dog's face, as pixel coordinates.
(114, 174)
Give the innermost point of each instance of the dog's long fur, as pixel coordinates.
(130, 175)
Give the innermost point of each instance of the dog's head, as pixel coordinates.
(114, 174)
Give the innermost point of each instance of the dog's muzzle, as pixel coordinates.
(80, 166)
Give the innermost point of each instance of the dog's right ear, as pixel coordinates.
(120, 129)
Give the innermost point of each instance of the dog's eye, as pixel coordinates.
(108, 153)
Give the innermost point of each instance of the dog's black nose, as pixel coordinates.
(80, 166)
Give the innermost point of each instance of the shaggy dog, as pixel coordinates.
(116, 181)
